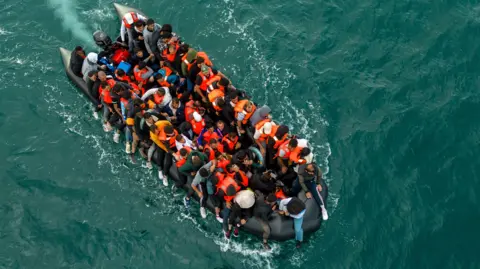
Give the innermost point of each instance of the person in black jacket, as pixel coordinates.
(264, 182)
(262, 210)
(76, 61)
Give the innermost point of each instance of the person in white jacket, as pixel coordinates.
(127, 26)
(163, 91)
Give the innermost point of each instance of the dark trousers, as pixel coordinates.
(312, 187)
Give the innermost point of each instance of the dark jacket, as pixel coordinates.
(258, 183)
(188, 167)
(76, 62)
(261, 209)
(180, 113)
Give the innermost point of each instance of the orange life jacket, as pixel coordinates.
(189, 109)
(279, 142)
(280, 194)
(207, 136)
(213, 96)
(239, 109)
(124, 78)
(189, 65)
(206, 80)
(157, 98)
(170, 56)
(197, 127)
(244, 178)
(227, 181)
(211, 81)
(211, 151)
(231, 144)
(295, 154)
(182, 160)
(107, 98)
(168, 72)
(205, 57)
(284, 147)
(138, 74)
(263, 137)
(134, 17)
(220, 176)
(137, 90)
(223, 164)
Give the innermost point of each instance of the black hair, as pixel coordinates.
(168, 129)
(91, 73)
(231, 191)
(305, 151)
(142, 65)
(209, 125)
(295, 206)
(213, 141)
(178, 137)
(214, 180)
(78, 48)
(271, 198)
(200, 60)
(120, 72)
(293, 143)
(233, 132)
(137, 49)
(150, 21)
(233, 95)
(175, 100)
(241, 155)
(139, 23)
(104, 84)
(220, 102)
(203, 172)
(158, 76)
(127, 95)
(217, 153)
(117, 88)
(183, 152)
(229, 167)
(167, 28)
(224, 82)
(147, 115)
(153, 128)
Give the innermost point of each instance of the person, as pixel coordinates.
(263, 182)
(166, 35)
(139, 56)
(241, 208)
(263, 209)
(143, 130)
(142, 72)
(197, 123)
(227, 188)
(182, 141)
(90, 64)
(161, 98)
(175, 112)
(263, 130)
(186, 130)
(137, 34)
(93, 83)
(213, 149)
(309, 180)
(230, 142)
(223, 128)
(287, 175)
(203, 79)
(243, 111)
(151, 35)
(199, 185)
(208, 133)
(127, 26)
(76, 61)
(163, 135)
(294, 208)
(195, 161)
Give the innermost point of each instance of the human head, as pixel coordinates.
(293, 143)
(200, 60)
(271, 199)
(105, 85)
(213, 143)
(154, 129)
(167, 28)
(139, 25)
(220, 101)
(148, 118)
(117, 88)
(175, 103)
(205, 70)
(231, 191)
(220, 125)
(183, 152)
(93, 75)
(102, 76)
(249, 106)
(161, 91)
(233, 97)
(209, 126)
(196, 160)
(79, 51)
(232, 134)
(159, 77)
(138, 52)
(295, 206)
(169, 131)
(142, 65)
(203, 172)
(150, 25)
(310, 169)
(224, 82)
(120, 72)
(180, 139)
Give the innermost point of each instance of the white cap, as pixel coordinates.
(267, 128)
(245, 199)
(92, 57)
(197, 117)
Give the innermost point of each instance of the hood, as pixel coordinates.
(264, 111)
(191, 54)
(92, 57)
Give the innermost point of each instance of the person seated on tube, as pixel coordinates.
(262, 210)
(163, 135)
(209, 132)
(195, 161)
(241, 210)
(199, 185)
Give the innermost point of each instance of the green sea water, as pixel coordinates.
(386, 91)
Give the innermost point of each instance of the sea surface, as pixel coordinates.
(386, 91)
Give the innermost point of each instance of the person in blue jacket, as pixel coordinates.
(210, 131)
(175, 111)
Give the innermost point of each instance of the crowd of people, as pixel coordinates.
(176, 109)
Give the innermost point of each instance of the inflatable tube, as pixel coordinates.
(281, 226)
(258, 154)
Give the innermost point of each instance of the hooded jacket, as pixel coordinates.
(89, 64)
(260, 114)
(188, 167)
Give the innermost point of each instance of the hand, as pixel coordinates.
(204, 99)
(151, 79)
(319, 188)
(162, 63)
(229, 204)
(200, 147)
(200, 195)
(284, 169)
(281, 212)
(242, 131)
(100, 106)
(104, 67)
(243, 221)
(193, 173)
(151, 55)
(309, 195)
(164, 114)
(140, 37)
(173, 118)
(262, 150)
(238, 145)
(232, 123)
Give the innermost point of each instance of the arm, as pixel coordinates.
(122, 31)
(149, 93)
(301, 179)
(147, 37)
(148, 74)
(200, 137)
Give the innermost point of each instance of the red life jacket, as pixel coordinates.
(104, 94)
(239, 109)
(231, 144)
(170, 56)
(197, 127)
(189, 109)
(244, 178)
(220, 176)
(138, 74)
(205, 57)
(206, 80)
(162, 136)
(285, 148)
(211, 151)
(120, 55)
(223, 164)
(263, 136)
(213, 96)
(207, 136)
(129, 19)
(280, 194)
(182, 160)
(227, 181)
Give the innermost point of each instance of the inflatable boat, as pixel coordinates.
(281, 226)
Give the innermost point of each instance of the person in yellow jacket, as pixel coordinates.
(161, 133)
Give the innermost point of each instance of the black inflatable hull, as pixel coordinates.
(281, 226)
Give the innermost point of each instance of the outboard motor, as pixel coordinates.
(102, 40)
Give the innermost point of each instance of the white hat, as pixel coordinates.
(92, 57)
(245, 199)
(267, 128)
(197, 117)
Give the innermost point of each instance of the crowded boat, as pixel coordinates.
(174, 110)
